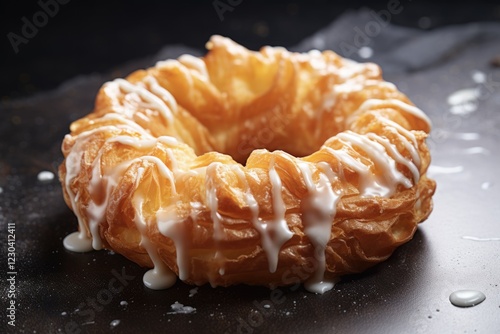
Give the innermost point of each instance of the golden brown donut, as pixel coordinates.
(266, 168)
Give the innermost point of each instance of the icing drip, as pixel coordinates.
(80, 243)
(213, 204)
(319, 210)
(278, 228)
(260, 225)
(160, 277)
(171, 226)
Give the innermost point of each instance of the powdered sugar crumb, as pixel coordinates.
(193, 291)
(179, 308)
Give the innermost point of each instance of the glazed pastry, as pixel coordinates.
(266, 168)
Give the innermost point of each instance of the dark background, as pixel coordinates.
(95, 36)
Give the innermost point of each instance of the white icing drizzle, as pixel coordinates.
(390, 176)
(160, 277)
(102, 184)
(317, 216)
(369, 185)
(392, 149)
(96, 212)
(194, 63)
(405, 107)
(142, 143)
(147, 96)
(126, 124)
(157, 89)
(406, 136)
(278, 227)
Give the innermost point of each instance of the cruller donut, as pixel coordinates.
(266, 168)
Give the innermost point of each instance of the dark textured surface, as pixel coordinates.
(59, 291)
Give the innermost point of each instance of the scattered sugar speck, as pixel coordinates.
(45, 175)
(64, 313)
(114, 323)
(123, 303)
(193, 291)
(267, 306)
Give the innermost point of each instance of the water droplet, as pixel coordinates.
(478, 77)
(486, 185)
(476, 150)
(45, 176)
(464, 101)
(467, 298)
(424, 22)
(463, 95)
(436, 170)
(365, 52)
(480, 239)
(466, 136)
